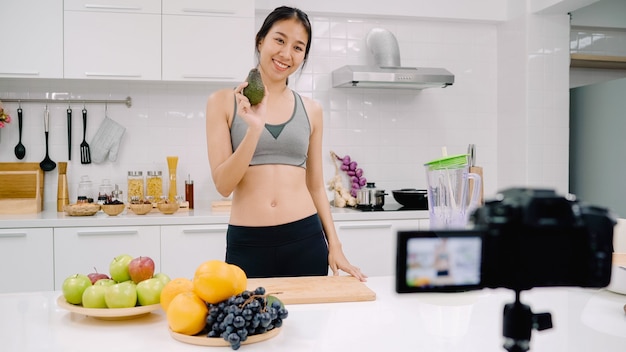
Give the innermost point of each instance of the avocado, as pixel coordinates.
(255, 90)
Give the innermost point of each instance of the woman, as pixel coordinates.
(269, 156)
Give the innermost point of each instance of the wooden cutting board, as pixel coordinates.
(221, 205)
(21, 188)
(315, 289)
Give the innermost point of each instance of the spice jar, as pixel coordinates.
(135, 184)
(154, 184)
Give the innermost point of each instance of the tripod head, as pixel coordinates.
(519, 320)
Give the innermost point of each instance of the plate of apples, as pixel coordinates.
(131, 290)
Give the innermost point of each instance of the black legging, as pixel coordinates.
(297, 248)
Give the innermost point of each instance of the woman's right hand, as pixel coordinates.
(253, 115)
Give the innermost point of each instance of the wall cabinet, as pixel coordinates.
(207, 40)
(371, 245)
(26, 261)
(184, 248)
(32, 44)
(107, 39)
(81, 249)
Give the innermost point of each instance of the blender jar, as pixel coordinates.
(448, 185)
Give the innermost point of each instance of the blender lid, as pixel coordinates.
(447, 162)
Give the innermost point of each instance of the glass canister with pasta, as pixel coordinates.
(154, 184)
(135, 185)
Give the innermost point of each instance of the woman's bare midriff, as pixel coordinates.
(271, 195)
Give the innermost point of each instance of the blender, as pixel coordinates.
(448, 187)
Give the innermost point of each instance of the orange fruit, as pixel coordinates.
(187, 314)
(215, 281)
(172, 289)
(241, 279)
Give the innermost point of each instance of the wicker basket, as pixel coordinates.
(81, 209)
(168, 208)
(141, 209)
(113, 209)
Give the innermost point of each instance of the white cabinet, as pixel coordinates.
(108, 39)
(207, 40)
(32, 44)
(371, 245)
(80, 249)
(26, 262)
(184, 248)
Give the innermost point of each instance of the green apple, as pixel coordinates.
(93, 297)
(163, 277)
(149, 291)
(105, 282)
(121, 295)
(74, 286)
(119, 268)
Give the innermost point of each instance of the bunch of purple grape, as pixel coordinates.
(355, 173)
(246, 314)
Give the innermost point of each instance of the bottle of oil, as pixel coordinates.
(189, 191)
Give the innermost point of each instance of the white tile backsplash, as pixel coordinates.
(390, 133)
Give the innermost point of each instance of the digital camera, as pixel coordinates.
(524, 238)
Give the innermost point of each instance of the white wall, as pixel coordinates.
(512, 106)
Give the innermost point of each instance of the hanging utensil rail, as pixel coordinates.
(127, 101)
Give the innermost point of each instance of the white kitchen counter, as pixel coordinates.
(583, 319)
(51, 218)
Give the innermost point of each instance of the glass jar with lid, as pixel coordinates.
(85, 191)
(135, 184)
(105, 191)
(154, 184)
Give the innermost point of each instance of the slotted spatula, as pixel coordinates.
(85, 154)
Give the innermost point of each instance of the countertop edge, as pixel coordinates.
(52, 219)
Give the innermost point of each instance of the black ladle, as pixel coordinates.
(20, 150)
(47, 164)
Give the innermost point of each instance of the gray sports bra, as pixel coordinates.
(286, 143)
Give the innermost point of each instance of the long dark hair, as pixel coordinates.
(280, 14)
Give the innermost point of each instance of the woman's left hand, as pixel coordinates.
(338, 261)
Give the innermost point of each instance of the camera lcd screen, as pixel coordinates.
(438, 261)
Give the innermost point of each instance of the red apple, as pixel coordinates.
(141, 268)
(95, 276)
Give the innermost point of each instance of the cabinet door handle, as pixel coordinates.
(206, 230)
(201, 76)
(108, 74)
(22, 73)
(112, 7)
(365, 226)
(107, 232)
(209, 11)
(12, 234)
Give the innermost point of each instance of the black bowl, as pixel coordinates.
(411, 198)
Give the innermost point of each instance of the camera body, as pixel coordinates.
(524, 238)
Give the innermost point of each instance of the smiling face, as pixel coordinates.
(283, 49)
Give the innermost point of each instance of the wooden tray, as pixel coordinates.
(202, 340)
(108, 313)
(315, 289)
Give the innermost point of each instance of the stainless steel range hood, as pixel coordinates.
(387, 71)
(392, 77)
